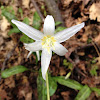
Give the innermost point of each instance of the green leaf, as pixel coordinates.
(26, 20)
(89, 40)
(36, 21)
(96, 90)
(68, 82)
(93, 71)
(67, 64)
(93, 61)
(68, 75)
(41, 86)
(14, 30)
(52, 86)
(12, 71)
(8, 13)
(84, 93)
(60, 28)
(58, 23)
(26, 39)
(20, 11)
(44, 10)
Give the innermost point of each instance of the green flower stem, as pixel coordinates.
(47, 84)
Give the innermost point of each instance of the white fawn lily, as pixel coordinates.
(48, 41)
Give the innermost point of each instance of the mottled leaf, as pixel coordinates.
(26, 20)
(96, 90)
(36, 21)
(84, 93)
(58, 23)
(41, 85)
(60, 28)
(24, 38)
(12, 71)
(8, 12)
(14, 30)
(68, 82)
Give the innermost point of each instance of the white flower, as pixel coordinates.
(48, 41)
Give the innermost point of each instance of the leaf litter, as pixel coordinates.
(81, 51)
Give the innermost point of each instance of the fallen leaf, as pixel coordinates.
(62, 71)
(10, 82)
(95, 11)
(84, 38)
(85, 2)
(4, 24)
(25, 3)
(66, 2)
(98, 59)
(3, 94)
(1, 40)
(65, 95)
(89, 81)
(82, 66)
(24, 90)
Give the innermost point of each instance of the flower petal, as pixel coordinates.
(36, 46)
(49, 25)
(60, 49)
(67, 33)
(45, 61)
(28, 30)
(29, 54)
(38, 55)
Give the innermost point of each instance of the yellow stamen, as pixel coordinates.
(48, 42)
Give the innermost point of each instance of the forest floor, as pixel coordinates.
(82, 60)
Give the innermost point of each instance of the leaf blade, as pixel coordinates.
(36, 21)
(83, 93)
(12, 71)
(42, 91)
(69, 83)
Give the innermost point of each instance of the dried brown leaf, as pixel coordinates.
(25, 3)
(62, 71)
(66, 2)
(95, 11)
(66, 95)
(3, 94)
(24, 90)
(10, 82)
(4, 24)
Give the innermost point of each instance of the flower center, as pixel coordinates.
(48, 42)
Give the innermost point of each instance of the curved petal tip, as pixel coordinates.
(83, 24)
(49, 25)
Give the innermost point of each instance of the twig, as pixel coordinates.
(37, 9)
(78, 70)
(8, 56)
(70, 60)
(84, 46)
(96, 48)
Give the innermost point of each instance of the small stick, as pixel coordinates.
(37, 9)
(8, 56)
